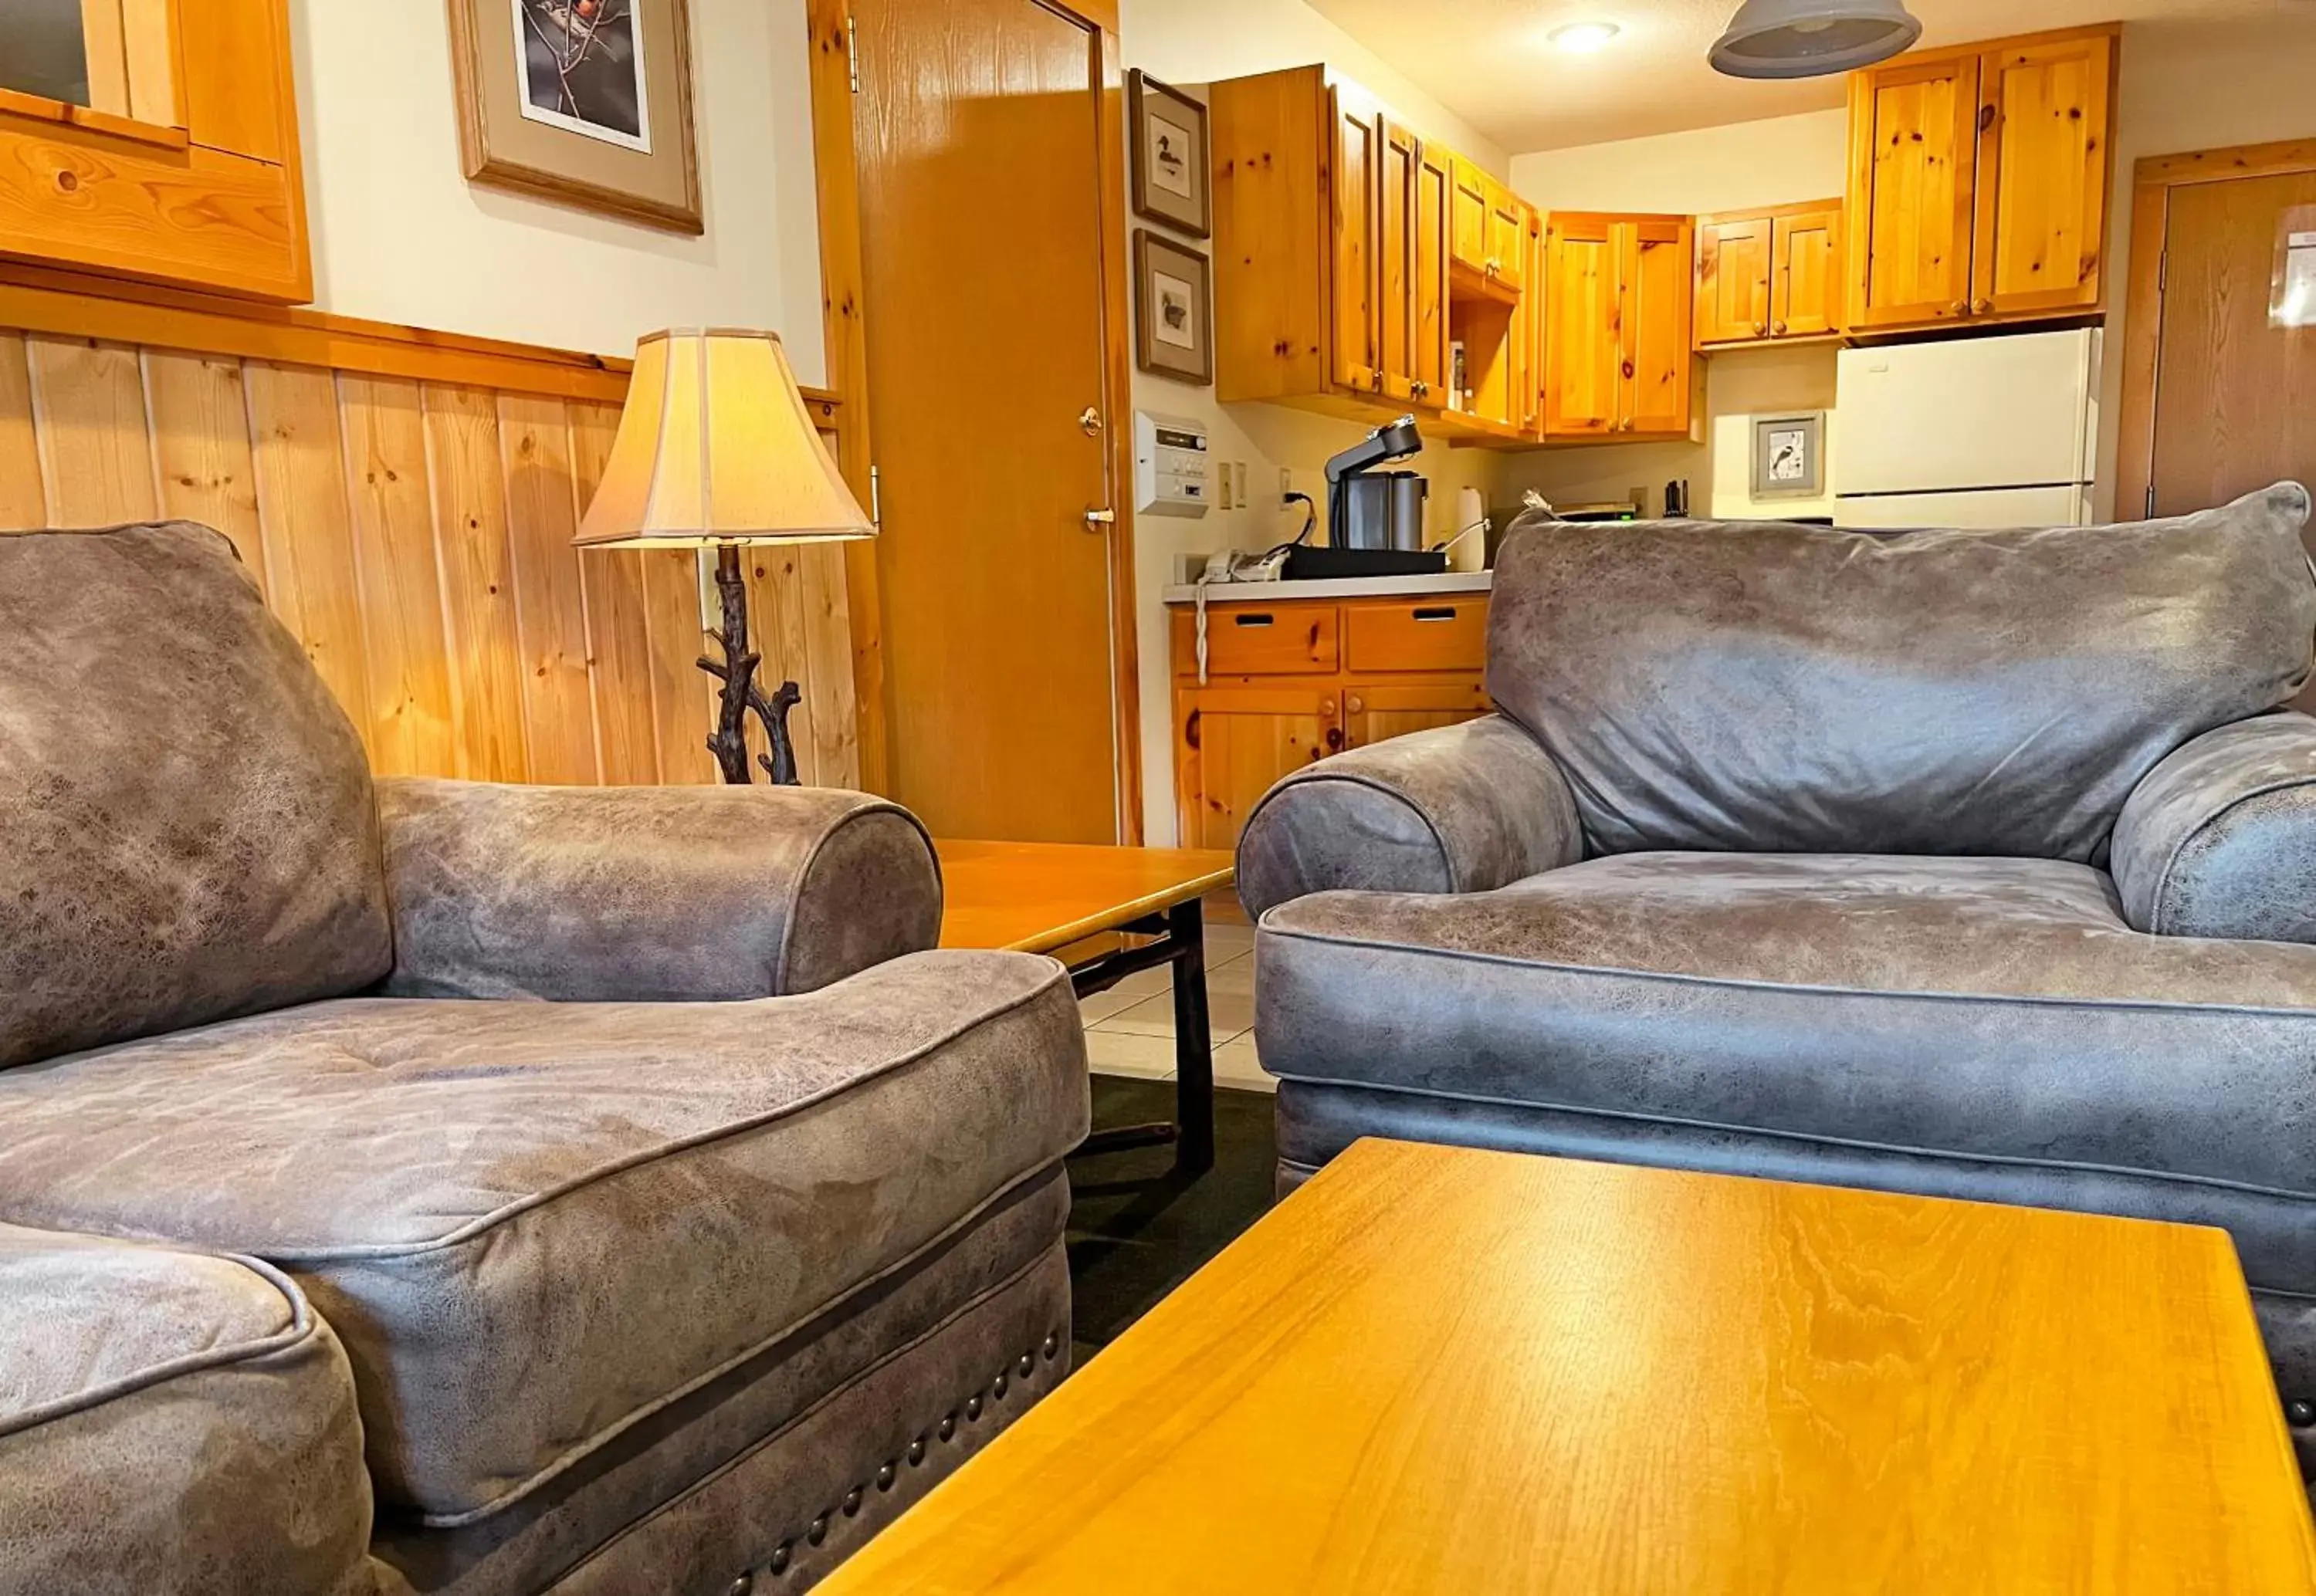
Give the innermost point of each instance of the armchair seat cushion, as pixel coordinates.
(1797, 1014)
(535, 1225)
(171, 1425)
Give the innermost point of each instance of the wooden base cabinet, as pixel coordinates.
(1978, 180)
(1304, 679)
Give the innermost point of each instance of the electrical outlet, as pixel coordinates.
(1286, 482)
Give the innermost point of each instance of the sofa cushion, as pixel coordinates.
(1995, 1009)
(171, 1424)
(187, 809)
(1794, 689)
(537, 1224)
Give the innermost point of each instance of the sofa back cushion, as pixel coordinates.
(1795, 689)
(190, 833)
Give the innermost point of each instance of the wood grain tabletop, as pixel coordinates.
(1035, 897)
(1442, 1370)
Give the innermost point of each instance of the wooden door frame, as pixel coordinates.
(2153, 181)
(843, 316)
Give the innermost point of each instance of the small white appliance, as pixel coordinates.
(1997, 431)
(1172, 475)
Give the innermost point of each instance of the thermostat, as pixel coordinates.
(1171, 476)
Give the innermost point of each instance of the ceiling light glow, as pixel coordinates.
(1583, 37)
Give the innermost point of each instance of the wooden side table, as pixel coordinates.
(1042, 896)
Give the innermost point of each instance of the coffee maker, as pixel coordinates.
(1371, 509)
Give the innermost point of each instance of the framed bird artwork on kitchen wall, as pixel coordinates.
(588, 101)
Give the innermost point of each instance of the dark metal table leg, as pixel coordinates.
(1194, 1045)
(1181, 942)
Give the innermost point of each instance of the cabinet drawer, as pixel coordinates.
(1448, 633)
(1259, 640)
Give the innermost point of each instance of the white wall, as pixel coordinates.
(1771, 161)
(1191, 43)
(400, 235)
(2194, 86)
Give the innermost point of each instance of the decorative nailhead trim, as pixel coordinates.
(784, 1554)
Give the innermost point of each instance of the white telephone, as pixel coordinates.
(1236, 566)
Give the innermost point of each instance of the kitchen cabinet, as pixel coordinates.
(1978, 181)
(1292, 680)
(181, 169)
(1489, 233)
(1330, 245)
(1770, 274)
(1617, 315)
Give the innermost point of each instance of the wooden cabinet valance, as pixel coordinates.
(184, 168)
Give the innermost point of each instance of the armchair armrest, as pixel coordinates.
(1459, 808)
(2219, 839)
(647, 894)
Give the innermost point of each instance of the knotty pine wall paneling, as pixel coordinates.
(416, 537)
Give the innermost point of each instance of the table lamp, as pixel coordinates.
(716, 450)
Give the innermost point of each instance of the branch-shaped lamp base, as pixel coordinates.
(737, 672)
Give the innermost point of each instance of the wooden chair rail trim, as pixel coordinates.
(41, 300)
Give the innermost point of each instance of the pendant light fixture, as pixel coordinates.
(1811, 37)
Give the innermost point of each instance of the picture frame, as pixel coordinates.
(1789, 456)
(584, 102)
(1173, 309)
(1171, 182)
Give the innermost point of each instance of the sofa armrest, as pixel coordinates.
(1459, 808)
(2219, 839)
(647, 894)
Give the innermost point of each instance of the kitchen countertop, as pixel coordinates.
(1348, 587)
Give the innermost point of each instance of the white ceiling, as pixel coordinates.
(1487, 59)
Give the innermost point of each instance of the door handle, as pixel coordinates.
(1090, 419)
(1096, 520)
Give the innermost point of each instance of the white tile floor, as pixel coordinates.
(1130, 1028)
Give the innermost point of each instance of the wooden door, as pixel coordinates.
(2235, 394)
(2042, 175)
(1435, 186)
(1398, 202)
(980, 134)
(1375, 710)
(1359, 168)
(1806, 274)
(1652, 323)
(1232, 742)
(1733, 279)
(1467, 223)
(1914, 139)
(1580, 342)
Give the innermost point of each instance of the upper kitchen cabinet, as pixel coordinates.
(164, 149)
(1331, 242)
(1768, 275)
(1488, 235)
(1978, 182)
(1617, 326)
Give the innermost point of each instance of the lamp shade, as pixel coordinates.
(1811, 37)
(716, 445)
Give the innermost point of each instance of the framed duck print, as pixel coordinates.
(1168, 130)
(588, 101)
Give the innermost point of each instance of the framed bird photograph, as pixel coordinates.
(588, 101)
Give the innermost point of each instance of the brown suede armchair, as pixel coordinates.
(1981, 864)
(427, 1185)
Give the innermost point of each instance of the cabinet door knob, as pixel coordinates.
(1327, 708)
(1356, 705)
(1983, 306)
(1760, 329)
(1777, 328)
(1962, 307)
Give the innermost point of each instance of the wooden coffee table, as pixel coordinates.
(1434, 1369)
(1042, 896)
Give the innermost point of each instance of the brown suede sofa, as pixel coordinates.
(424, 1185)
(1981, 864)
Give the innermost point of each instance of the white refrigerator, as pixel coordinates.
(1996, 431)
